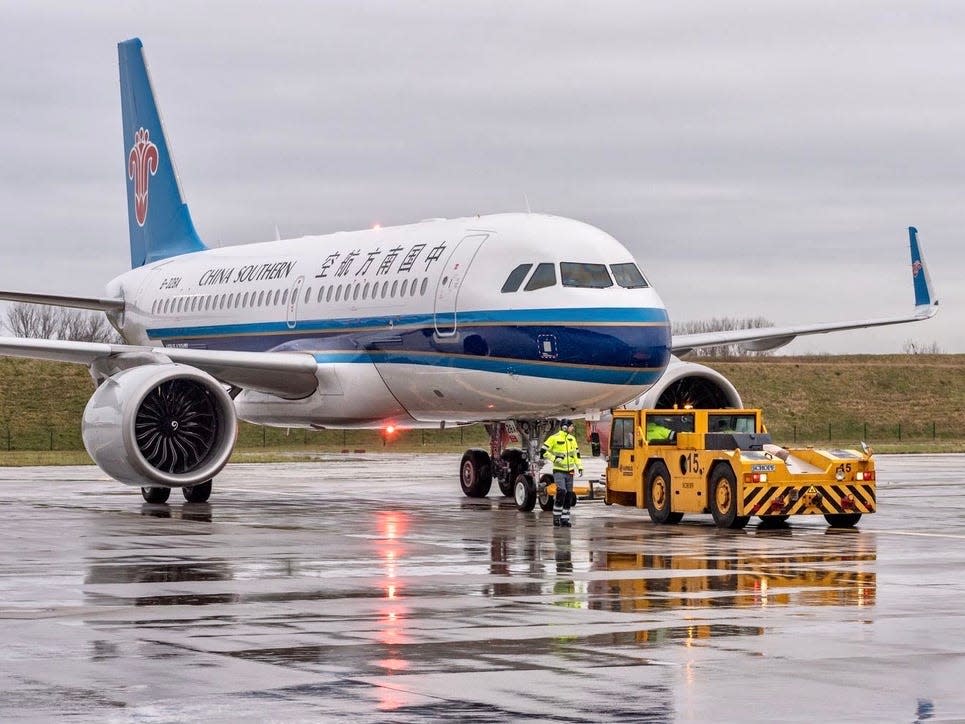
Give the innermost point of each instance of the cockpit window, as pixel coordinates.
(515, 278)
(628, 276)
(593, 276)
(544, 276)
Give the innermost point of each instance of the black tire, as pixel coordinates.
(524, 492)
(773, 521)
(155, 495)
(197, 493)
(658, 495)
(842, 520)
(476, 473)
(723, 499)
(514, 459)
(545, 500)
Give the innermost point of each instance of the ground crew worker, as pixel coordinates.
(657, 431)
(563, 451)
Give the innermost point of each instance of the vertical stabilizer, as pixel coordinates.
(924, 296)
(159, 220)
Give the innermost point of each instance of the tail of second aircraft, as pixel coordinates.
(160, 223)
(925, 299)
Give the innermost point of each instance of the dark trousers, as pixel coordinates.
(564, 487)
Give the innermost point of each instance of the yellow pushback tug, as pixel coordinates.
(723, 462)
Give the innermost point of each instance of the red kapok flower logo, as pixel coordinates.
(141, 165)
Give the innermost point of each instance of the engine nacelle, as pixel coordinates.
(160, 425)
(688, 384)
(683, 384)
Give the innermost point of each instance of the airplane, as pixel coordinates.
(512, 320)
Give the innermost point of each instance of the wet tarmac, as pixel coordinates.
(368, 588)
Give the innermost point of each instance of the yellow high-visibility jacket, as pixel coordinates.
(563, 451)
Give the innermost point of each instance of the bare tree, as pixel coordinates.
(42, 321)
(913, 347)
(715, 324)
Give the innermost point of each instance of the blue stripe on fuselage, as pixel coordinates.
(556, 317)
(615, 346)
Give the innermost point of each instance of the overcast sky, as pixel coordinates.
(758, 158)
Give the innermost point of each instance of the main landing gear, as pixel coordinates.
(192, 494)
(513, 460)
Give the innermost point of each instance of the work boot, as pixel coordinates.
(566, 524)
(556, 521)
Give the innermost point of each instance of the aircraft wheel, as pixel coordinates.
(476, 473)
(524, 493)
(723, 499)
(842, 520)
(155, 495)
(544, 498)
(515, 460)
(197, 493)
(658, 495)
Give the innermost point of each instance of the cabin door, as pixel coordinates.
(450, 280)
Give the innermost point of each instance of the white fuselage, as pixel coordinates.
(411, 324)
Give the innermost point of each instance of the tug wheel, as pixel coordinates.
(658, 495)
(723, 499)
(842, 520)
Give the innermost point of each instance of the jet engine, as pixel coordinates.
(688, 384)
(165, 425)
(683, 384)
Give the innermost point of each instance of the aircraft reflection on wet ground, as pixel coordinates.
(314, 597)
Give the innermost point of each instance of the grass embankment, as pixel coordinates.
(898, 403)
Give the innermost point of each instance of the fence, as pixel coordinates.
(867, 431)
(16, 437)
(21, 437)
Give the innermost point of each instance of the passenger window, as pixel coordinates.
(395, 283)
(412, 289)
(365, 291)
(402, 290)
(515, 278)
(385, 288)
(544, 276)
(308, 295)
(628, 276)
(328, 297)
(321, 293)
(422, 289)
(591, 276)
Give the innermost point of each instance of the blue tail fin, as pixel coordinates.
(924, 296)
(160, 222)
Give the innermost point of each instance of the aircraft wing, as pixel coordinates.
(103, 304)
(766, 338)
(291, 375)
